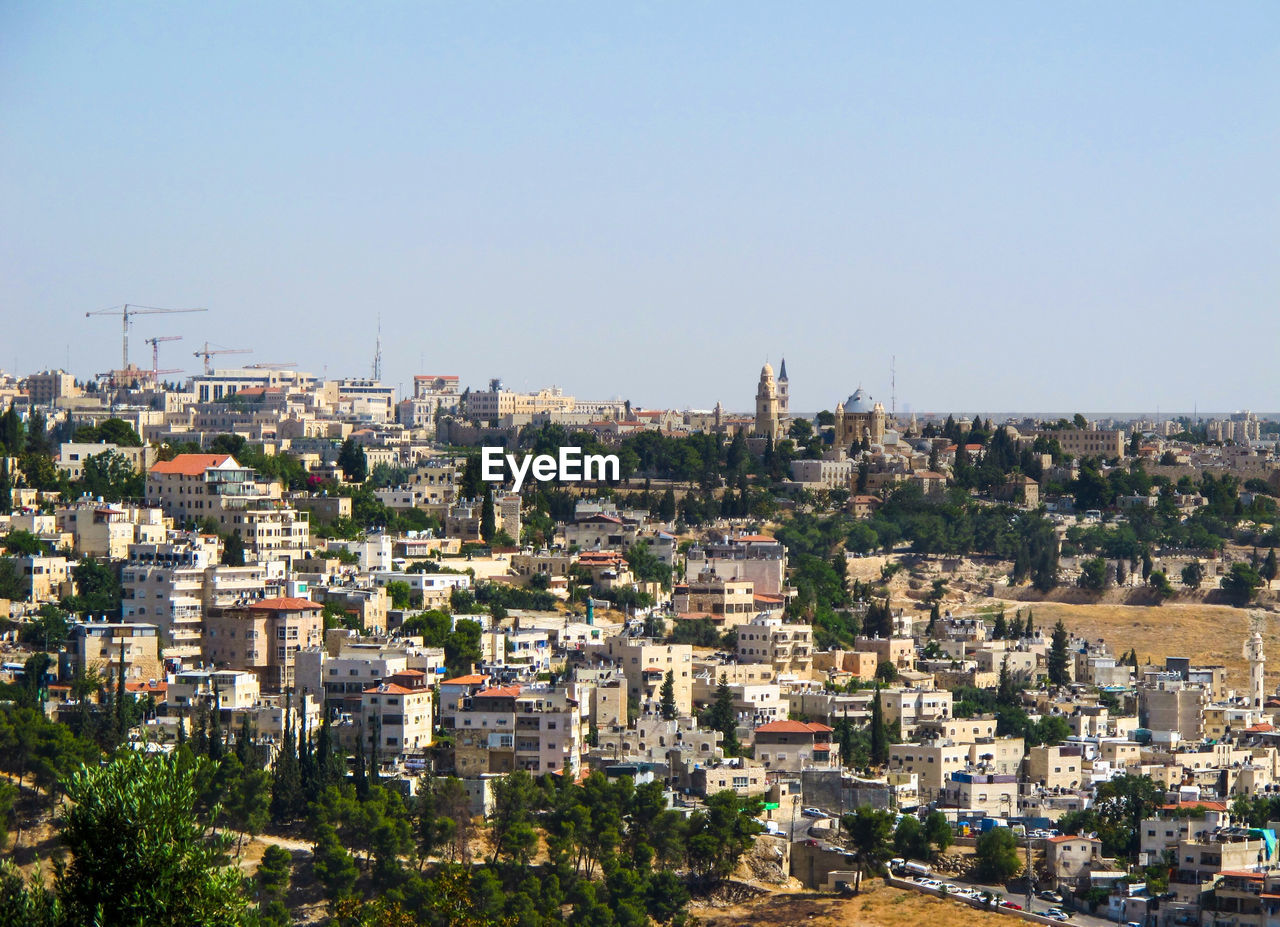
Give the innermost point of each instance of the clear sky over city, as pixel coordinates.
(1033, 206)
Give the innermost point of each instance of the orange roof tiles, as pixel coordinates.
(471, 680)
(189, 464)
(285, 604)
(793, 727)
(499, 692)
(392, 689)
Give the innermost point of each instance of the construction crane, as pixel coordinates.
(209, 352)
(126, 313)
(155, 354)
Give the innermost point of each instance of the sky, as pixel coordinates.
(1046, 206)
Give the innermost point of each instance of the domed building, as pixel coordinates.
(859, 418)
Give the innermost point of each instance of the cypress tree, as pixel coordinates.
(879, 732)
(286, 779)
(1059, 657)
(669, 697)
(362, 777)
(216, 744)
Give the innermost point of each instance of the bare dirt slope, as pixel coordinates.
(879, 906)
(1208, 634)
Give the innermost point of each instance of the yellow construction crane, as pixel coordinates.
(209, 352)
(126, 313)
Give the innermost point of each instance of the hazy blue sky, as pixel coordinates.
(1033, 205)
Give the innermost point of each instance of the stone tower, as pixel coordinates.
(1256, 655)
(784, 395)
(767, 417)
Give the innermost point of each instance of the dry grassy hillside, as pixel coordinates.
(882, 906)
(1208, 634)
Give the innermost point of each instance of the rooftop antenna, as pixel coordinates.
(377, 352)
(893, 386)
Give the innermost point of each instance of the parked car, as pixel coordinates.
(1010, 904)
(1050, 896)
(813, 813)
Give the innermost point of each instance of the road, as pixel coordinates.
(1037, 906)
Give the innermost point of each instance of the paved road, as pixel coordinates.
(1037, 906)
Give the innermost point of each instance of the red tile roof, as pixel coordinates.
(286, 604)
(189, 464)
(471, 680)
(499, 692)
(793, 727)
(1263, 728)
(152, 686)
(1185, 805)
(391, 689)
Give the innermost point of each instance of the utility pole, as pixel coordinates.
(893, 386)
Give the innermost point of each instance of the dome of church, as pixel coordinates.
(858, 402)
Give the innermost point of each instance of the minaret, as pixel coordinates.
(1254, 653)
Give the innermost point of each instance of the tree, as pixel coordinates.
(722, 717)
(333, 865)
(273, 884)
(511, 833)
(1093, 574)
(879, 732)
(1160, 583)
(1059, 658)
(721, 833)
(938, 831)
(1268, 570)
(233, 549)
(1241, 582)
(667, 507)
(909, 839)
(997, 855)
(669, 711)
(1193, 574)
(869, 830)
(886, 672)
(353, 462)
(111, 431)
(399, 592)
(139, 852)
(488, 523)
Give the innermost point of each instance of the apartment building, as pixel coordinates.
(264, 638)
(1078, 442)
(397, 714)
(788, 648)
(537, 728)
(102, 646)
(193, 487)
(644, 664)
(730, 602)
(755, 558)
(1056, 767)
(912, 707)
(792, 746)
